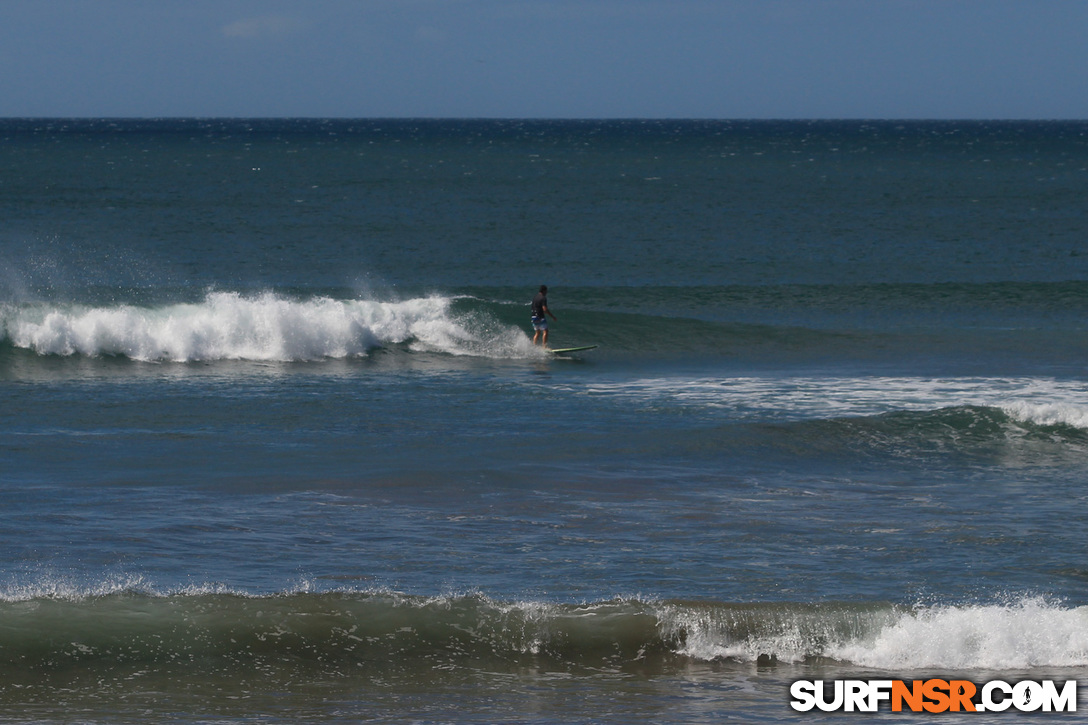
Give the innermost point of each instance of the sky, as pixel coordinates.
(728, 59)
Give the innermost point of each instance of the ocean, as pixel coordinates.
(276, 446)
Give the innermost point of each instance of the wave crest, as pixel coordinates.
(1048, 415)
(383, 627)
(265, 327)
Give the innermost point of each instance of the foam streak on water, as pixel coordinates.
(1039, 401)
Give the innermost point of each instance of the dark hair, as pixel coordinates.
(543, 288)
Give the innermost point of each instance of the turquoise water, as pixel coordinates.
(275, 443)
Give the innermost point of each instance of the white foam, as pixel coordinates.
(265, 327)
(1047, 414)
(1040, 401)
(1027, 633)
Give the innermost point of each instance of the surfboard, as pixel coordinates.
(564, 350)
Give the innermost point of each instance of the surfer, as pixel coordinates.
(540, 316)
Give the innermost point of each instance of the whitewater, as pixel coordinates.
(275, 443)
(265, 327)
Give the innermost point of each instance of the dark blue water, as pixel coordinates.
(275, 442)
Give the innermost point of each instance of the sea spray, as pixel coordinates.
(1024, 633)
(264, 327)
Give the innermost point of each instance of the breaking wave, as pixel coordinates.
(264, 327)
(43, 631)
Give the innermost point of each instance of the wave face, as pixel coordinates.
(911, 327)
(264, 327)
(273, 326)
(331, 630)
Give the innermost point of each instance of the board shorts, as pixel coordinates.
(540, 323)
